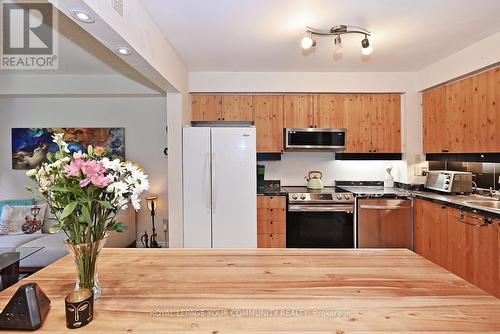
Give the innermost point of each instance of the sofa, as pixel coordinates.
(53, 244)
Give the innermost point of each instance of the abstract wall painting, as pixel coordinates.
(31, 145)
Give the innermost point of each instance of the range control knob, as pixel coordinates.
(339, 197)
(294, 196)
(302, 196)
(346, 196)
(446, 187)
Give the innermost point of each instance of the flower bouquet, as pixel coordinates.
(84, 192)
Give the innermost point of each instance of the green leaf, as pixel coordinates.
(86, 215)
(90, 150)
(68, 210)
(118, 227)
(55, 228)
(106, 204)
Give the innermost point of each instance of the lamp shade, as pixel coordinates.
(152, 202)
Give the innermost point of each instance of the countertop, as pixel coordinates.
(458, 201)
(287, 290)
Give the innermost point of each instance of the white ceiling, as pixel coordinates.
(264, 35)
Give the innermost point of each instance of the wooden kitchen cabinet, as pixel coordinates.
(460, 242)
(271, 221)
(463, 116)
(373, 123)
(329, 110)
(206, 107)
(237, 108)
(269, 123)
(298, 111)
(430, 231)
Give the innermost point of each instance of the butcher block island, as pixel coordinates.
(287, 290)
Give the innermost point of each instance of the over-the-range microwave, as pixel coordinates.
(312, 139)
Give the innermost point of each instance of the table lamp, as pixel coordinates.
(152, 205)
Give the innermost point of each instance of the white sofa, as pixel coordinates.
(53, 246)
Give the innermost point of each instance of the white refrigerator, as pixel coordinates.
(219, 187)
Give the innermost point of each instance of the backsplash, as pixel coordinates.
(485, 174)
(293, 166)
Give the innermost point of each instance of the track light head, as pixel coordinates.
(366, 49)
(338, 45)
(307, 42)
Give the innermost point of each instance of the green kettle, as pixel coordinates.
(314, 180)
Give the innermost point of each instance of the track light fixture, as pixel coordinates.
(308, 41)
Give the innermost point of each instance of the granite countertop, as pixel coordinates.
(272, 192)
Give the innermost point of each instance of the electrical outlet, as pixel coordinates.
(424, 171)
(417, 171)
(117, 6)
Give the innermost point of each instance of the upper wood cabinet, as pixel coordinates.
(298, 111)
(237, 108)
(329, 110)
(314, 111)
(206, 107)
(222, 107)
(464, 116)
(269, 123)
(373, 123)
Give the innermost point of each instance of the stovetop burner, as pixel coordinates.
(321, 196)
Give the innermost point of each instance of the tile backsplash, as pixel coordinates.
(485, 174)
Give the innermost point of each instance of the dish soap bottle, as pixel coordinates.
(389, 179)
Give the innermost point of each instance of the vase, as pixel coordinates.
(86, 258)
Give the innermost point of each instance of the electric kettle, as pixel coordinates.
(314, 180)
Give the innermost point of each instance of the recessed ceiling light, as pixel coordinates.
(82, 16)
(123, 50)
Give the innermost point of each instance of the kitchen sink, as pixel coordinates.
(494, 204)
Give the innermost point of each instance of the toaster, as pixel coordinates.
(449, 181)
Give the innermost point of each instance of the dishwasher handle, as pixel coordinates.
(383, 207)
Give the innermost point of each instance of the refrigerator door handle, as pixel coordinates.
(207, 183)
(214, 185)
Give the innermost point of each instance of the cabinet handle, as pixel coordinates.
(271, 210)
(271, 223)
(485, 221)
(445, 151)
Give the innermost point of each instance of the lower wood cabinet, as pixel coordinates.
(464, 243)
(271, 221)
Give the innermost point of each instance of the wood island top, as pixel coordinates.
(274, 290)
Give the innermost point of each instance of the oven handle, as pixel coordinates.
(318, 208)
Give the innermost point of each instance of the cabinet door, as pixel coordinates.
(386, 123)
(430, 231)
(486, 256)
(237, 108)
(356, 124)
(436, 133)
(271, 240)
(460, 245)
(329, 110)
(486, 111)
(298, 111)
(269, 123)
(206, 107)
(459, 115)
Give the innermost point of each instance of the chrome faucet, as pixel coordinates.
(493, 193)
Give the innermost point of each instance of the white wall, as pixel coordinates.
(144, 120)
(293, 166)
(484, 53)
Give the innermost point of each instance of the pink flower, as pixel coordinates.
(77, 155)
(101, 181)
(73, 169)
(84, 182)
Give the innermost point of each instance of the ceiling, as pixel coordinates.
(264, 35)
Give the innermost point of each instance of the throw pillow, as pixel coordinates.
(19, 220)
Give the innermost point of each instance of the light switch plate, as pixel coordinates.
(117, 6)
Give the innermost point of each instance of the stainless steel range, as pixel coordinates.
(320, 218)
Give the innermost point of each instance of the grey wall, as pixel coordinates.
(144, 120)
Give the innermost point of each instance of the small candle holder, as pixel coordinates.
(79, 308)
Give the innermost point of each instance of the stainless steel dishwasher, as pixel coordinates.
(385, 223)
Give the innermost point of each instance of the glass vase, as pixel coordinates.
(86, 257)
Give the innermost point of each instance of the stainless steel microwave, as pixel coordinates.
(311, 139)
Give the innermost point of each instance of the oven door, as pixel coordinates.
(320, 226)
